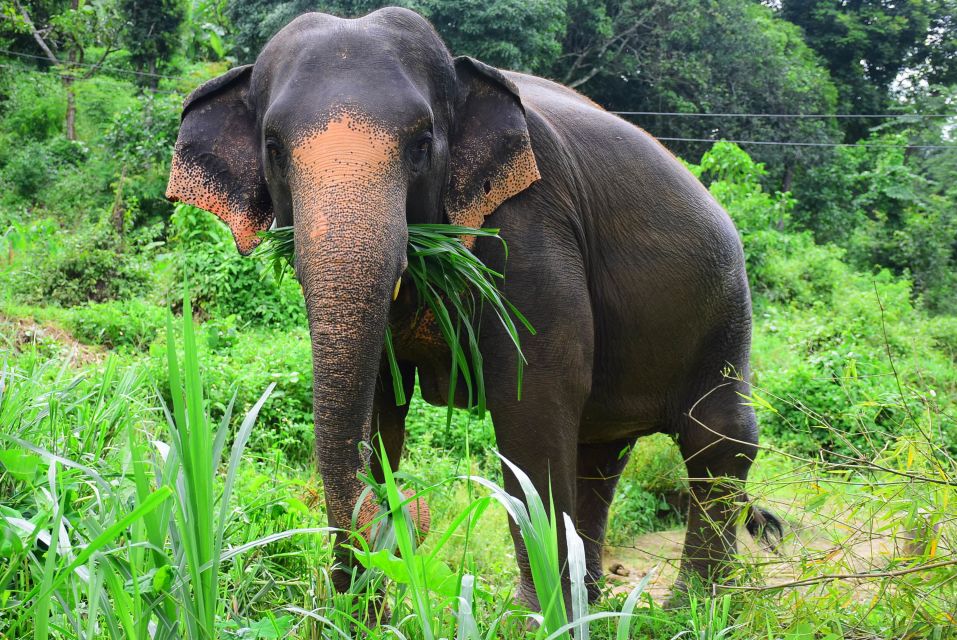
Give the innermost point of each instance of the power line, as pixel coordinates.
(815, 144)
(88, 64)
(677, 114)
(680, 114)
(633, 113)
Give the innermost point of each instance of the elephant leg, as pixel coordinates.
(539, 433)
(388, 420)
(545, 279)
(549, 461)
(599, 469)
(718, 443)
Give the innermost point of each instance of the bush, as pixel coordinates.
(86, 267)
(822, 374)
(876, 203)
(130, 323)
(224, 283)
(32, 107)
(651, 495)
(35, 165)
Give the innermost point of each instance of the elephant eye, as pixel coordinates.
(276, 152)
(273, 148)
(420, 151)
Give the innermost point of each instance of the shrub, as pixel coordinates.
(651, 493)
(87, 267)
(224, 283)
(32, 106)
(823, 373)
(130, 323)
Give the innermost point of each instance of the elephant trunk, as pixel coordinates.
(350, 229)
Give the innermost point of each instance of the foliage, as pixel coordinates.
(222, 282)
(86, 267)
(877, 205)
(31, 107)
(721, 56)
(152, 33)
(132, 323)
(652, 493)
(867, 44)
(514, 34)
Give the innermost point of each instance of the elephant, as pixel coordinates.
(631, 274)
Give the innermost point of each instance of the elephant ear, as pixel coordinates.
(216, 162)
(490, 149)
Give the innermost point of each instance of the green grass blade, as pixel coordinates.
(576, 574)
(627, 610)
(109, 534)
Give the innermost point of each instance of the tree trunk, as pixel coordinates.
(70, 107)
(118, 215)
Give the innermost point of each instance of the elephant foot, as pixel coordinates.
(526, 598)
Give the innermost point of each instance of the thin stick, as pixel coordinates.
(841, 576)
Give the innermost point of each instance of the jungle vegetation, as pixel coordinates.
(827, 129)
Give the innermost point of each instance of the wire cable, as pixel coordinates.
(88, 64)
(783, 115)
(630, 113)
(813, 144)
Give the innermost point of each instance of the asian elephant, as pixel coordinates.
(630, 272)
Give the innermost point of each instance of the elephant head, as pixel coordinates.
(348, 130)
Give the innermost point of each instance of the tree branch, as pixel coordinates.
(36, 34)
(842, 576)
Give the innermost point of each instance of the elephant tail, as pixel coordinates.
(765, 527)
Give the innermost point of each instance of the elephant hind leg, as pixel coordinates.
(718, 439)
(599, 468)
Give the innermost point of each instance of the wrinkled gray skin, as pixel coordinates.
(631, 273)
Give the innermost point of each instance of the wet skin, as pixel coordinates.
(631, 273)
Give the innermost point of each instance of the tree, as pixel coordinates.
(256, 21)
(725, 56)
(151, 33)
(866, 45)
(521, 35)
(516, 34)
(63, 31)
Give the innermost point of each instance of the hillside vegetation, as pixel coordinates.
(852, 260)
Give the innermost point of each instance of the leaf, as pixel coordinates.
(22, 465)
(431, 572)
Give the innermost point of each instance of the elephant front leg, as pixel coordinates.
(599, 468)
(542, 445)
(539, 434)
(388, 419)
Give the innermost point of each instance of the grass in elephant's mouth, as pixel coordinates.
(453, 284)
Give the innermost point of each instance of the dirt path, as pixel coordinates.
(22, 333)
(844, 547)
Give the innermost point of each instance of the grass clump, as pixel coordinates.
(453, 284)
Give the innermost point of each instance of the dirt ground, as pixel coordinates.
(844, 548)
(20, 334)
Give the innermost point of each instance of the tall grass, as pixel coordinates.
(139, 555)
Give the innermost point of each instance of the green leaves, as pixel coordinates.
(428, 571)
(454, 286)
